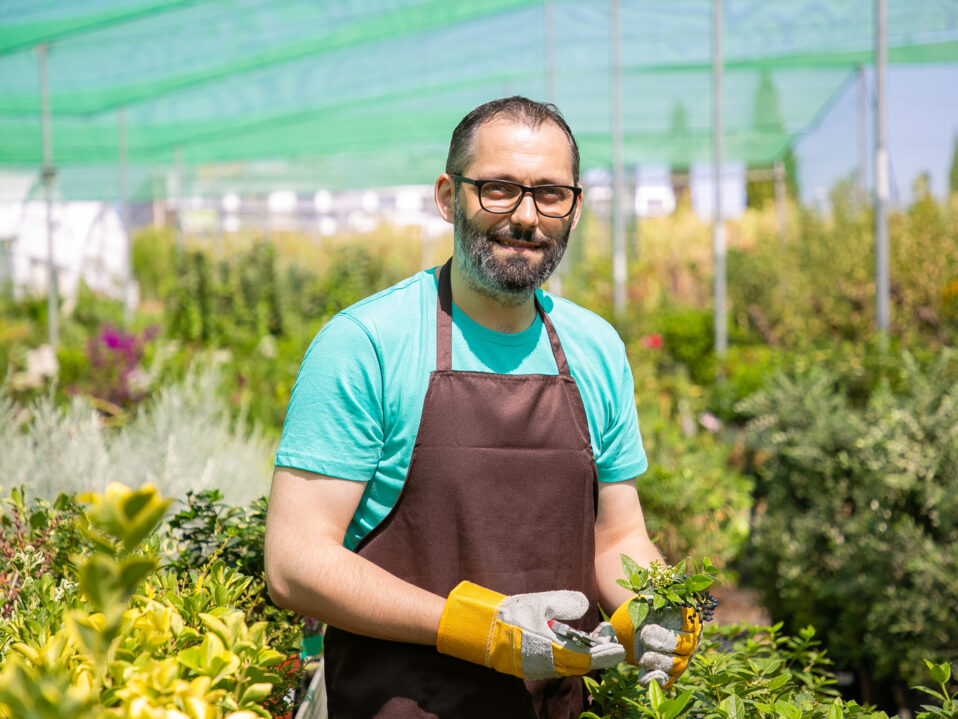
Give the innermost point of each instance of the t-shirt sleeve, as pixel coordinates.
(334, 423)
(622, 455)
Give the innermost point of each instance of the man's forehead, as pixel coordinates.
(504, 139)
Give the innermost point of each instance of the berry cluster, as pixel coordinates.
(705, 605)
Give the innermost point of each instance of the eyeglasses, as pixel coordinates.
(502, 197)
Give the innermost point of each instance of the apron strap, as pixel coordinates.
(444, 326)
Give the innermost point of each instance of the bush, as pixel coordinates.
(182, 439)
(107, 635)
(738, 671)
(856, 518)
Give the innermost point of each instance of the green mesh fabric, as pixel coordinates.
(366, 92)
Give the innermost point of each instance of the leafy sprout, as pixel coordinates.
(661, 586)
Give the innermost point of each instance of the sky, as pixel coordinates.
(921, 127)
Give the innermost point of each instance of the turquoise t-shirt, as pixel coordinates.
(355, 408)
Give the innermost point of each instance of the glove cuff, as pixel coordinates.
(624, 630)
(467, 623)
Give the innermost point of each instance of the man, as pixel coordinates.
(454, 469)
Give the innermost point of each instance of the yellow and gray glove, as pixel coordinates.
(663, 646)
(512, 634)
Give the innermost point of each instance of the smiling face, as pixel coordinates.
(507, 256)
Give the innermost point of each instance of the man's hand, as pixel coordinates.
(663, 646)
(511, 634)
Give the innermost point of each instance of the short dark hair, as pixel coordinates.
(516, 108)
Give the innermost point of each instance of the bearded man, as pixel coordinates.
(455, 481)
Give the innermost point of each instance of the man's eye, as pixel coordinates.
(549, 193)
(498, 189)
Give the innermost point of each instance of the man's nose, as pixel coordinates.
(526, 214)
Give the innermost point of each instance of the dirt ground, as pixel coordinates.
(737, 605)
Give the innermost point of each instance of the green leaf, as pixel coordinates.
(941, 673)
(787, 710)
(629, 567)
(671, 708)
(656, 696)
(133, 571)
(658, 601)
(255, 693)
(638, 611)
(778, 681)
(733, 706)
(835, 711)
(699, 582)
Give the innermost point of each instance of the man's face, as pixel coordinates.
(508, 256)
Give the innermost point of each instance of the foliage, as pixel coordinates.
(941, 675)
(183, 438)
(658, 588)
(738, 672)
(35, 539)
(116, 638)
(695, 501)
(152, 258)
(208, 530)
(114, 370)
(856, 519)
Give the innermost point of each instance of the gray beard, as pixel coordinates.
(511, 282)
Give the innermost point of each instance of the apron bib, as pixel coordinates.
(501, 491)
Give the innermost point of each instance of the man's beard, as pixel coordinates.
(511, 281)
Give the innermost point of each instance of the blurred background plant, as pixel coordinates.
(192, 394)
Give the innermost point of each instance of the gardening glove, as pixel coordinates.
(663, 646)
(511, 634)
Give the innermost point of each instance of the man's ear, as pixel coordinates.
(445, 196)
(577, 211)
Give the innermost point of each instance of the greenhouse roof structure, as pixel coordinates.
(352, 93)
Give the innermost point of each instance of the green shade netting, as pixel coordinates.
(367, 93)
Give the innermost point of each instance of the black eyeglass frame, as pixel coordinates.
(576, 193)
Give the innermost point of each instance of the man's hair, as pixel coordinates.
(516, 108)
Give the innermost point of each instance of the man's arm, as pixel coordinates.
(309, 571)
(619, 529)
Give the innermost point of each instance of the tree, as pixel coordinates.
(769, 130)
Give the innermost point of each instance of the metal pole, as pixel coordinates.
(619, 271)
(49, 175)
(881, 174)
(718, 229)
(778, 170)
(178, 194)
(549, 33)
(549, 42)
(125, 219)
(862, 137)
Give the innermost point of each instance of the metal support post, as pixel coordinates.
(718, 228)
(619, 269)
(862, 137)
(125, 219)
(49, 174)
(549, 80)
(881, 173)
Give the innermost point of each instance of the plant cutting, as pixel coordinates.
(662, 587)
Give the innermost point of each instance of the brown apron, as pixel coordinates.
(501, 490)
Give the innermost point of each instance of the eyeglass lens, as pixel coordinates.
(552, 200)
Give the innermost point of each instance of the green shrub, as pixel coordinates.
(856, 517)
(182, 438)
(738, 671)
(107, 635)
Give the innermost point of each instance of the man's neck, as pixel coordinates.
(487, 311)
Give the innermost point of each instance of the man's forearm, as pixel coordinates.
(608, 568)
(341, 588)
(309, 571)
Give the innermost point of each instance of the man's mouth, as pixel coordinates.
(517, 244)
